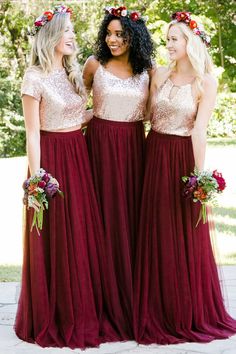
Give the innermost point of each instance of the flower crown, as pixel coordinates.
(123, 12)
(47, 16)
(186, 18)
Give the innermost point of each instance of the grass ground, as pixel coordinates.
(221, 154)
(10, 272)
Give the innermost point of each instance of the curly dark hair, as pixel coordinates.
(141, 46)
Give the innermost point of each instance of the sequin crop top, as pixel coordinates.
(119, 99)
(174, 115)
(60, 107)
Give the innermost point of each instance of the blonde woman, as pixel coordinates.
(177, 293)
(60, 301)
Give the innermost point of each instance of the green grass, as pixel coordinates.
(225, 220)
(219, 142)
(230, 259)
(10, 273)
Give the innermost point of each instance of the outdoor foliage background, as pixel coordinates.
(218, 17)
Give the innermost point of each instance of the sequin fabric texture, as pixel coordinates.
(174, 112)
(60, 106)
(119, 99)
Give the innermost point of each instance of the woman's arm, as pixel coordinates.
(158, 77)
(87, 118)
(32, 126)
(199, 132)
(89, 70)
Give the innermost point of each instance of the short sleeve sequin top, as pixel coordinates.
(119, 99)
(174, 114)
(60, 107)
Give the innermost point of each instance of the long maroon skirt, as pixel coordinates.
(177, 291)
(116, 151)
(60, 301)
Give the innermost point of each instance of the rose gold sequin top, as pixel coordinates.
(60, 106)
(119, 99)
(174, 112)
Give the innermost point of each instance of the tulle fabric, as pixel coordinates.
(61, 298)
(177, 294)
(116, 151)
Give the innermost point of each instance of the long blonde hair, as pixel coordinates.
(197, 54)
(43, 49)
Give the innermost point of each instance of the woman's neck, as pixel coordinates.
(184, 68)
(57, 63)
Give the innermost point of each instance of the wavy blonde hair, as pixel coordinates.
(197, 54)
(43, 51)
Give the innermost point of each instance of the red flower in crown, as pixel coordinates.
(134, 16)
(181, 16)
(119, 10)
(192, 24)
(38, 23)
(114, 12)
(48, 14)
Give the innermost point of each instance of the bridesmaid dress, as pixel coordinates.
(115, 139)
(177, 294)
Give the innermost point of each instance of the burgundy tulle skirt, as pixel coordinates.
(177, 291)
(116, 151)
(61, 301)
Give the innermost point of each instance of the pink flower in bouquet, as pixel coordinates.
(46, 177)
(42, 184)
(220, 180)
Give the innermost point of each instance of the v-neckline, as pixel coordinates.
(117, 77)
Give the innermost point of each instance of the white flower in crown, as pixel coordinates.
(200, 27)
(108, 9)
(124, 13)
(145, 18)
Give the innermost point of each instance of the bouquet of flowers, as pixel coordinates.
(37, 190)
(203, 187)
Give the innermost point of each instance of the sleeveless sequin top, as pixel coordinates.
(119, 99)
(174, 115)
(60, 107)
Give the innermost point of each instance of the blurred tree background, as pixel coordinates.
(217, 16)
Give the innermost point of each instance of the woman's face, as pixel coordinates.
(115, 40)
(176, 43)
(66, 46)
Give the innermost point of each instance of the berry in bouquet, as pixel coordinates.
(203, 187)
(38, 189)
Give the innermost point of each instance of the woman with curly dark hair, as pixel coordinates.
(119, 76)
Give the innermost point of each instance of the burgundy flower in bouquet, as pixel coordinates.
(203, 187)
(37, 190)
